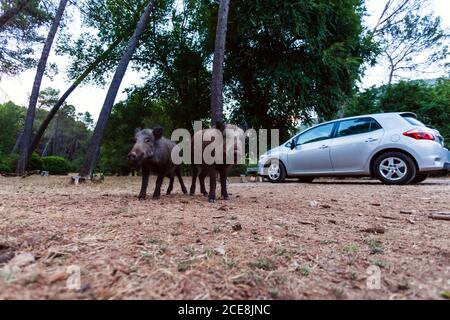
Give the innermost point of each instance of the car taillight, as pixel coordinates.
(419, 134)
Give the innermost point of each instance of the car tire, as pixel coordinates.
(394, 168)
(421, 177)
(276, 172)
(305, 179)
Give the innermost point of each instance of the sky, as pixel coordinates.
(90, 98)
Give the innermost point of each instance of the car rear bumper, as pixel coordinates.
(435, 161)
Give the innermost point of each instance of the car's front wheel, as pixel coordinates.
(394, 168)
(276, 172)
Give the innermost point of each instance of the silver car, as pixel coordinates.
(396, 148)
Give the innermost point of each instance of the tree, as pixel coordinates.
(28, 127)
(287, 61)
(86, 118)
(20, 22)
(430, 101)
(94, 145)
(11, 118)
(60, 102)
(48, 97)
(217, 73)
(178, 57)
(409, 38)
(14, 10)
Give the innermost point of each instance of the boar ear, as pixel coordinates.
(220, 126)
(158, 132)
(137, 130)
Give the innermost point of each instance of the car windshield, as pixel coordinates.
(414, 121)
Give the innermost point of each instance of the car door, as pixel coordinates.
(311, 152)
(353, 143)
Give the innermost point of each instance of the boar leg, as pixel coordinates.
(223, 184)
(194, 179)
(180, 179)
(170, 188)
(212, 185)
(202, 177)
(145, 174)
(157, 192)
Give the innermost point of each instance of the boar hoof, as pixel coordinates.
(141, 198)
(205, 194)
(184, 190)
(226, 197)
(212, 200)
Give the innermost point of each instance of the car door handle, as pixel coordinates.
(371, 140)
(323, 147)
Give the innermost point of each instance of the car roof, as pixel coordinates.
(373, 115)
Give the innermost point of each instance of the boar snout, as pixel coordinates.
(132, 156)
(135, 156)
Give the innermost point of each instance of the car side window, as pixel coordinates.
(356, 126)
(317, 134)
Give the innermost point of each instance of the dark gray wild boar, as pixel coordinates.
(152, 152)
(233, 143)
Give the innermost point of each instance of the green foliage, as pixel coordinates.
(430, 102)
(8, 162)
(286, 60)
(11, 121)
(35, 162)
(56, 165)
(48, 97)
(20, 35)
(413, 40)
(125, 118)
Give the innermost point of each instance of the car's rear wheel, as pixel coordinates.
(421, 177)
(394, 168)
(276, 172)
(305, 179)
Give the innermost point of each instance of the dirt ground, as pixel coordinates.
(332, 239)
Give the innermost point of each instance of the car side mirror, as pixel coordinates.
(293, 143)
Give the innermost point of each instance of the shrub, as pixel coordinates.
(8, 162)
(35, 162)
(56, 165)
(4, 166)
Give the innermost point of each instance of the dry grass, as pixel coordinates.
(297, 241)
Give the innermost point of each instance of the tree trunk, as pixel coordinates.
(44, 125)
(391, 75)
(9, 14)
(28, 127)
(94, 145)
(17, 144)
(217, 72)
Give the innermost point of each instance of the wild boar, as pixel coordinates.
(233, 146)
(152, 152)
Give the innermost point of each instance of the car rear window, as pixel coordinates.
(356, 126)
(414, 121)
